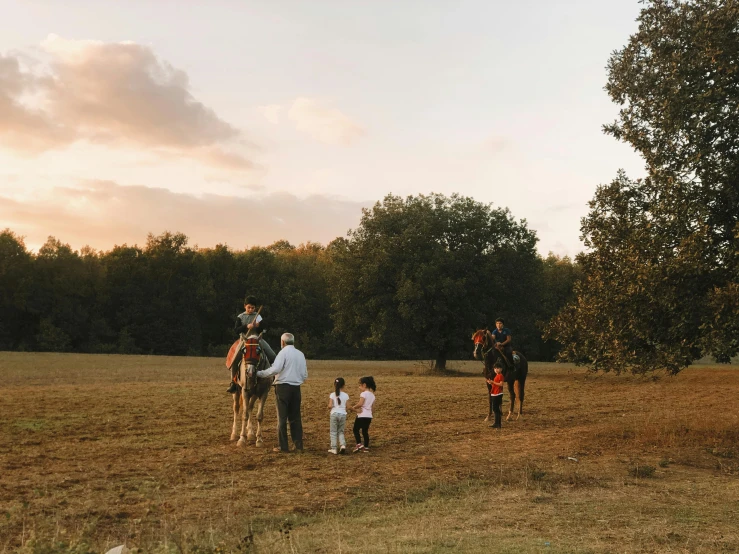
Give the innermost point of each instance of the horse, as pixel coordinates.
(514, 375)
(254, 390)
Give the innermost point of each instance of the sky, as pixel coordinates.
(243, 123)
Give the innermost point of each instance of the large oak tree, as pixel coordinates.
(420, 274)
(660, 285)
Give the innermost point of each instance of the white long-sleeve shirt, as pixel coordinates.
(289, 366)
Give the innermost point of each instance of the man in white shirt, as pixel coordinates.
(291, 371)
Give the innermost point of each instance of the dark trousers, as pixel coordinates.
(287, 398)
(497, 408)
(362, 424)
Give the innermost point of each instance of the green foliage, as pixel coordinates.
(637, 306)
(15, 290)
(659, 285)
(421, 273)
(454, 265)
(555, 289)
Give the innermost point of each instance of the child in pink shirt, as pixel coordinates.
(363, 408)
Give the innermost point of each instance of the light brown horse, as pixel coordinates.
(253, 391)
(514, 374)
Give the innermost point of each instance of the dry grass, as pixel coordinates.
(96, 451)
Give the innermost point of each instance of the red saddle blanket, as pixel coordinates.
(251, 351)
(232, 354)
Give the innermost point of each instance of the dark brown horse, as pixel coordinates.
(514, 374)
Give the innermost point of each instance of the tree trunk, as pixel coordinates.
(440, 363)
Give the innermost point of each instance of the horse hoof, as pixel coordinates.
(250, 437)
(259, 443)
(508, 417)
(234, 436)
(241, 442)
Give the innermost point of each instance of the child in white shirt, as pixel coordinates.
(337, 402)
(363, 408)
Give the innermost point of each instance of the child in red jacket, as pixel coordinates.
(496, 393)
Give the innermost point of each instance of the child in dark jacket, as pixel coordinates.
(248, 324)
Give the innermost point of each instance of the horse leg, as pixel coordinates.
(517, 388)
(521, 389)
(236, 405)
(512, 394)
(249, 425)
(244, 405)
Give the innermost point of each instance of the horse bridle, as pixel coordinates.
(478, 338)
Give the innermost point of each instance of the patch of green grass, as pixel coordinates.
(30, 424)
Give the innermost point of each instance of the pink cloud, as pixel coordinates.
(115, 94)
(102, 214)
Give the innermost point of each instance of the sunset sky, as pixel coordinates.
(243, 122)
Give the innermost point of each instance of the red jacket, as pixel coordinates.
(497, 384)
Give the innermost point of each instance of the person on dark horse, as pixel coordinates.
(250, 328)
(503, 342)
(496, 345)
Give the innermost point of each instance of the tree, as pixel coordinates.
(64, 296)
(677, 81)
(420, 274)
(16, 264)
(556, 281)
(659, 285)
(638, 305)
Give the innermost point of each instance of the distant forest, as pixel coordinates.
(414, 281)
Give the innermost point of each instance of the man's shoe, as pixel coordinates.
(332, 451)
(358, 448)
(234, 388)
(342, 450)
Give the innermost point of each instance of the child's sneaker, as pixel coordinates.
(332, 451)
(365, 449)
(342, 450)
(358, 448)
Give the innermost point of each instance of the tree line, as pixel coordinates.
(414, 280)
(656, 288)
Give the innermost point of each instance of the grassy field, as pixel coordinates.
(97, 451)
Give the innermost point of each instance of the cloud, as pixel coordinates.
(103, 213)
(271, 113)
(25, 128)
(323, 123)
(114, 94)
